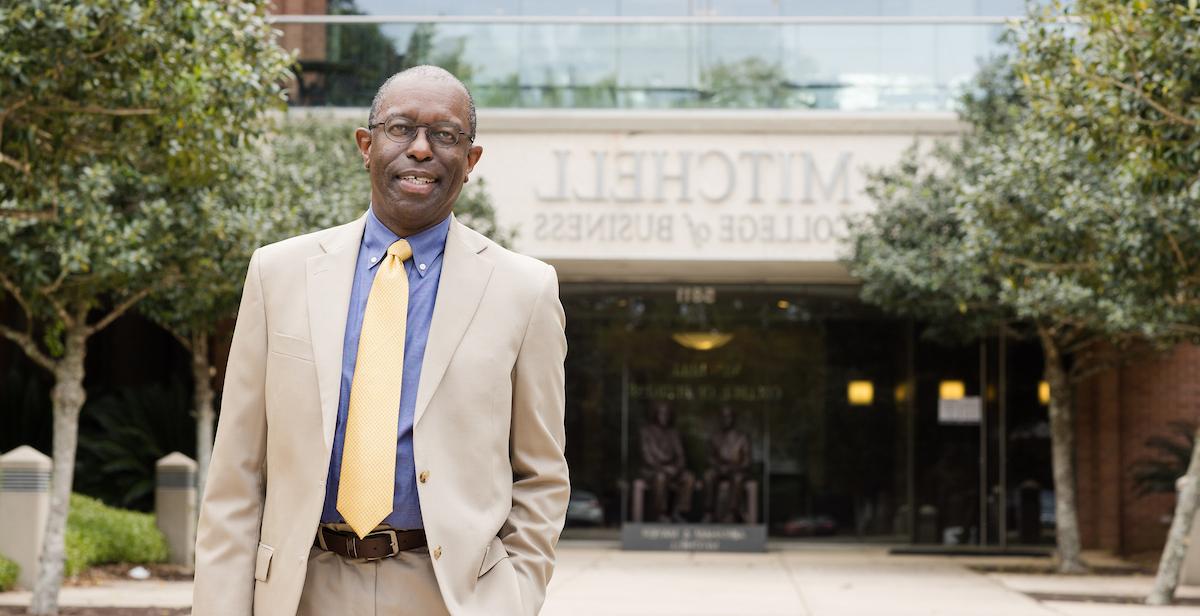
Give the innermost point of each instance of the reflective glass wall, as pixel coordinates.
(681, 8)
(914, 64)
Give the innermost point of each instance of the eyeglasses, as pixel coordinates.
(403, 132)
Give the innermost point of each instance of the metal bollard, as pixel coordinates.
(175, 505)
(24, 506)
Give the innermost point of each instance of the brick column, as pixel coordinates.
(24, 505)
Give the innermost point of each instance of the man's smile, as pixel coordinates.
(419, 183)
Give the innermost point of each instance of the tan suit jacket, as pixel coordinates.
(488, 427)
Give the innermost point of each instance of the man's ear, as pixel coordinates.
(473, 155)
(362, 137)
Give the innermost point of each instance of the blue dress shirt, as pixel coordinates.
(424, 270)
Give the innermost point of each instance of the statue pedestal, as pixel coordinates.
(694, 537)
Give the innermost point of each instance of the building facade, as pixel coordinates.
(689, 168)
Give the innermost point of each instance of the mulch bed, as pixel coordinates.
(105, 611)
(1116, 599)
(102, 574)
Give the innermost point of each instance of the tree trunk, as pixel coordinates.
(1062, 448)
(68, 396)
(1181, 529)
(203, 399)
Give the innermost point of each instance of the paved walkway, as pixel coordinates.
(594, 579)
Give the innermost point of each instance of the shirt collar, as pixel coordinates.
(426, 246)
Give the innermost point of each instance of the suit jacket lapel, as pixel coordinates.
(330, 277)
(465, 275)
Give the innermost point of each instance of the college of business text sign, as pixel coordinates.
(750, 187)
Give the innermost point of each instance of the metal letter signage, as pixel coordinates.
(678, 197)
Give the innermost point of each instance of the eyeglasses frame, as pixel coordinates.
(470, 138)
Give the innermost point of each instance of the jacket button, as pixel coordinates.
(437, 552)
(424, 476)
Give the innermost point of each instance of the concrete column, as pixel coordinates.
(175, 505)
(24, 506)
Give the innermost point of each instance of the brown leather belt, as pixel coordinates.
(377, 545)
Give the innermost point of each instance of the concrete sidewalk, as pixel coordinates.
(595, 579)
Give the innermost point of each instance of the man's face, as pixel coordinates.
(727, 417)
(414, 185)
(662, 414)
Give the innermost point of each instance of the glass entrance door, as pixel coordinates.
(981, 447)
(807, 381)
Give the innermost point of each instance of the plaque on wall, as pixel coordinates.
(965, 411)
(694, 537)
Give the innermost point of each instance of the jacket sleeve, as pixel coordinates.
(541, 485)
(231, 512)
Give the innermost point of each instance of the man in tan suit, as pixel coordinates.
(391, 432)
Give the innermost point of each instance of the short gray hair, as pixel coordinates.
(425, 70)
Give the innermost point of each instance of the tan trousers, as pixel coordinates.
(398, 586)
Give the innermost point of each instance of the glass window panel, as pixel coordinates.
(919, 8)
(568, 66)
(671, 8)
(429, 7)
(741, 8)
(574, 7)
(823, 8)
(656, 66)
(740, 66)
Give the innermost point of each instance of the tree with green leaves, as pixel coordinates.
(1041, 225)
(233, 218)
(109, 110)
(1123, 82)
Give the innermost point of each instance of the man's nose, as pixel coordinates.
(419, 149)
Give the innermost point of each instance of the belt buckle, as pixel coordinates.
(391, 533)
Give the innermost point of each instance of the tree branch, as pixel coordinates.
(93, 109)
(50, 214)
(1080, 344)
(1150, 101)
(16, 293)
(1182, 260)
(25, 341)
(182, 340)
(54, 286)
(1052, 267)
(16, 164)
(7, 110)
(61, 312)
(121, 309)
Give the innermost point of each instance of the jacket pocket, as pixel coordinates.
(495, 553)
(262, 564)
(290, 346)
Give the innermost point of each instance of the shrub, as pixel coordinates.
(122, 433)
(98, 534)
(8, 573)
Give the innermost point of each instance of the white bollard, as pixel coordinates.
(24, 506)
(175, 505)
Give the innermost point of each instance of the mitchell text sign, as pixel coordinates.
(662, 196)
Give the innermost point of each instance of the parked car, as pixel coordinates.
(584, 509)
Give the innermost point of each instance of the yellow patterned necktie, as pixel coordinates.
(368, 479)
